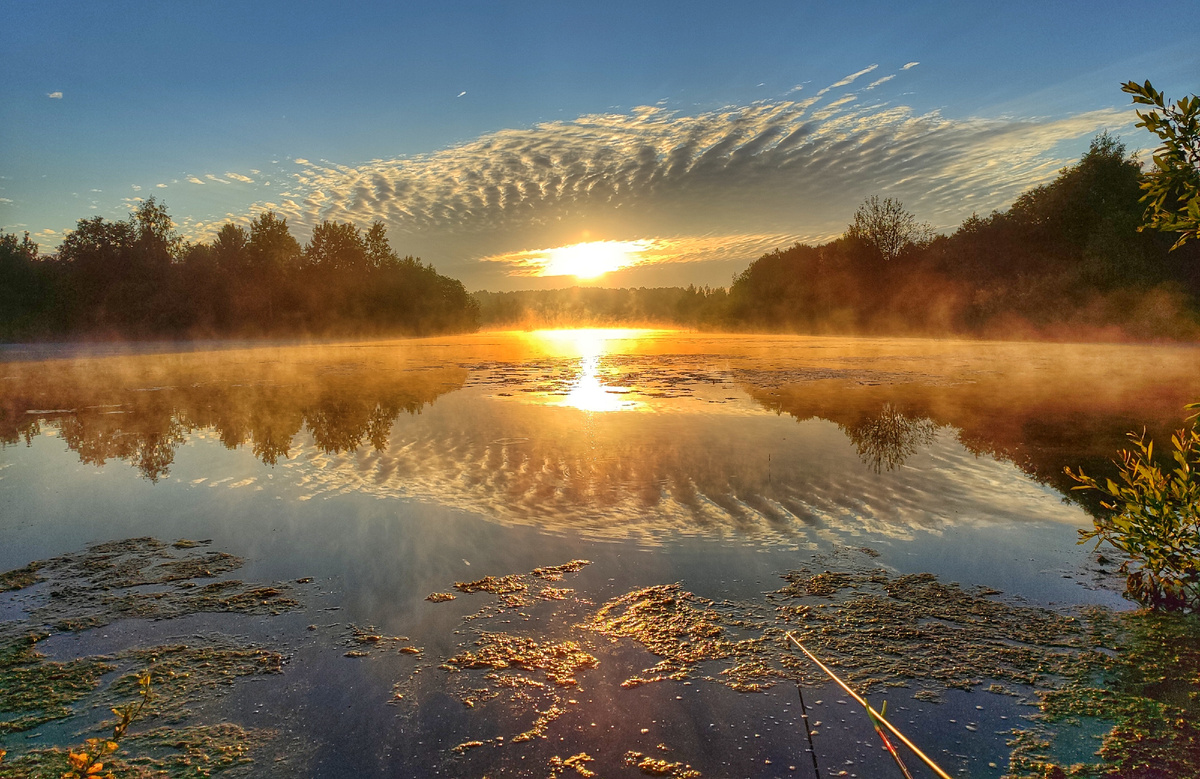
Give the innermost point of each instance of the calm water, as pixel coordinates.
(390, 470)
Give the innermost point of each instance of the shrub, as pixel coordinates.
(1155, 519)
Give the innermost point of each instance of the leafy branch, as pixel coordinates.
(86, 763)
(1155, 519)
(1172, 187)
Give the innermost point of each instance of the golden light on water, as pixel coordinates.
(588, 392)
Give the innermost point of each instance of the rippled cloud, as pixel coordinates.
(710, 182)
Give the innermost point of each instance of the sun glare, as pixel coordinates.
(589, 391)
(592, 259)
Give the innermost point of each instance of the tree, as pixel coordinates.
(1172, 187)
(379, 251)
(271, 246)
(230, 247)
(336, 246)
(887, 227)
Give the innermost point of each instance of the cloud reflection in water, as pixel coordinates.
(784, 440)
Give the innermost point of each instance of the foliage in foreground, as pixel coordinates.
(1155, 519)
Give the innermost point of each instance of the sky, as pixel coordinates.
(523, 145)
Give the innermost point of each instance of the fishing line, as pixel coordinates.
(808, 731)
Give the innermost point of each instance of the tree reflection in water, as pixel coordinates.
(141, 410)
(693, 445)
(889, 438)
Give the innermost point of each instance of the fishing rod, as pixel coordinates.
(876, 717)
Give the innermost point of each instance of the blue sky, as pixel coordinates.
(481, 133)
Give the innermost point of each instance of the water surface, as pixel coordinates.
(390, 470)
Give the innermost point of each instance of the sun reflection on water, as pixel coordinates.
(588, 392)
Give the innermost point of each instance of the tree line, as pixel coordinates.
(137, 278)
(1067, 259)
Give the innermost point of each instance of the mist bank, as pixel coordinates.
(1065, 262)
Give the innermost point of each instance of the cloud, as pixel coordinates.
(734, 181)
(239, 177)
(879, 81)
(54, 95)
(909, 65)
(195, 180)
(164, 186)
(851, 78)
(5, 200)
(136, 188)
(460, 94)
(301, 161)
(217, 179)
(650, 251)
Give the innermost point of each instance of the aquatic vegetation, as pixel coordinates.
(577, 763)
(652, 766)
(87, 762)
(558, 661)
(35, 690)
(1144, 691)
(132, 578)
(1155, 519)
(110, 581)
(554, 573)
(513, 588)
(363, 640)
(684, 630)
(163, 753)
(187, 673)
(19, 578)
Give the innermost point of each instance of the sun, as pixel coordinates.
(592, 259)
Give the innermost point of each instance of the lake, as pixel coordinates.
(634, 519)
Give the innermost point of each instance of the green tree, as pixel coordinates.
(1172, 187)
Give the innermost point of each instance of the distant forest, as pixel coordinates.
(137, 279)
(1065, 261)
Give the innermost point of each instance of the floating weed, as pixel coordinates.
(514, 588)
(558, 662)
(1145, 689)
(652, 766)
(35, 690)
(20, 578)
(139, 578)
(684, 630)
(162, 753)
(185, 674)
(577, 763)
(554, 573)
(133, 578)
(363, 640)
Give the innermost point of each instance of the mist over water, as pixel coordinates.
(390, 470)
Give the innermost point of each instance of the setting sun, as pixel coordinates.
(592, 259)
